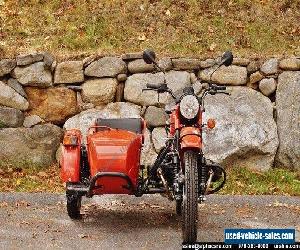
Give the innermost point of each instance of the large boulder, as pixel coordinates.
(69, 72)
(10, 117)
(33, 75)
(245, 134)
(133, 92)
(52, 104)
(86, 118)
(106, 67)
(29, 147)
(99, 91)
(231, 75)
(6, 66)
(288, 120)
(10, 98)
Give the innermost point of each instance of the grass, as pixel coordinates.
(274, 182)
(240, 181)
(205, 28)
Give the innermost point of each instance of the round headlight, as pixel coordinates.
(189, 107)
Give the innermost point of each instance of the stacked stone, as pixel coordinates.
(40, 95)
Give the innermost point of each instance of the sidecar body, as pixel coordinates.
(109, 162)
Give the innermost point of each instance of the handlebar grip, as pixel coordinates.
(152, 86)
(216, 87)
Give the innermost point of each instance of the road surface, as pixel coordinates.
(39, 221)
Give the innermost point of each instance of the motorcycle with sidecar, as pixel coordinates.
(109, 161)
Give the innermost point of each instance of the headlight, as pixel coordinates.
(189, 107)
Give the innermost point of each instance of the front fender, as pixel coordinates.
(70, 159)
(190, 138)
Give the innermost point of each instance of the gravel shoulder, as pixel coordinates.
(39, 220)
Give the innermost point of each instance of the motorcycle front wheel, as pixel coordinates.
(190, 198)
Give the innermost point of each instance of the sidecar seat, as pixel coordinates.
(131, 124)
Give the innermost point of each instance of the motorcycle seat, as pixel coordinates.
(131, 124)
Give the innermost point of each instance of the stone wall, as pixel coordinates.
(258, 125)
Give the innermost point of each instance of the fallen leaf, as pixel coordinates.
(82, 236)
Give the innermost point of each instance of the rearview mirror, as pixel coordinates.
(227, 58)
(149, 56)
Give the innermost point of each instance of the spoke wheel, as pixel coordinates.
(190, 198)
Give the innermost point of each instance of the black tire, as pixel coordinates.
(190, 198)
(73, 205)
(179, 207)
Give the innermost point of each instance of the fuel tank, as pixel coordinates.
(117, 151)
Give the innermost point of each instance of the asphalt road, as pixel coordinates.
(39, 221)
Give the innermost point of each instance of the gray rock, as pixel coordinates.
(29, 147)
(6, 66)
(69, 72)
(32, 120)
(148, 154)
(10, 98)
(290, 64)
(99, 91)
(139, 66)
(13, 83)
(255, 77)
(131, 56)
(48, 60)
(207, 63)
(197, 86)
(270, 67)
(194, 78)
(165, 63)
(288, 120)
(253, 66)
(106, 67)
(267, 86)
(33, 75)
(231, 75)
(159, 137)
(122, 77)
(245, 132)
(88, 60)
(137, 82)
(86, 118)
(240, 61)
(155, 117)
(178, 80)
(186, 63)
(10, 117)
(27, 59)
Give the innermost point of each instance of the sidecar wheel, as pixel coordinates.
(73, 205)
(190, 198)
(179, 207)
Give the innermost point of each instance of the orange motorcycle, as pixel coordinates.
(109, 162)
